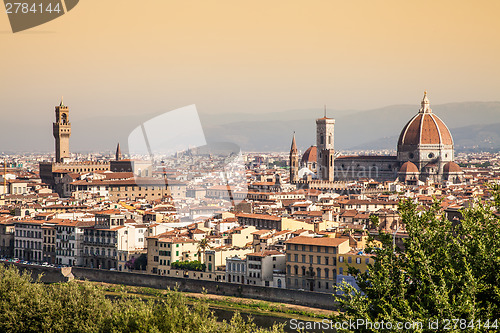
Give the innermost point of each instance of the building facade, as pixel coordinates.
(311, 262)
(425, 148)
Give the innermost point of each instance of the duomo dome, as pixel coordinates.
(426, 142)
(425, 128)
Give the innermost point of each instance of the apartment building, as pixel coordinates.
(7, 238)
(357, 259)
(165, 249)
(236, 269)
(269, 222)
(49, 243)
(311, 262)
(112, 235)
(69, 242)
(239, 236)
(262, 265)
(147, 188)
(28, 240)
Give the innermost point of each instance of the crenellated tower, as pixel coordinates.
(62, 131)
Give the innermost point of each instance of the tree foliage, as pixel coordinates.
(446, 271)
(189, 265)
(30, 306)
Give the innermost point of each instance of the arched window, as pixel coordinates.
(279, 283)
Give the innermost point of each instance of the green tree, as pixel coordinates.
(30, 306)
(202, 246)
(446, 271)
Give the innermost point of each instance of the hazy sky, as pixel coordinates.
(121, 56)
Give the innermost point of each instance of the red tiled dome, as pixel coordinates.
(451, 167)
(310, 155)
(425, 128)
(408, 167)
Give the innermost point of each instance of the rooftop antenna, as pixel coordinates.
(325, 110)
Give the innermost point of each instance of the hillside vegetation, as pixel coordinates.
(30, 306)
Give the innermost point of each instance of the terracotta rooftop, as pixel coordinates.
(319, 241)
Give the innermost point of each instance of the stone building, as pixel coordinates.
(425, 152)
(311, 262)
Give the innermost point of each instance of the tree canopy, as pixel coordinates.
(30, 306)
(448, 273)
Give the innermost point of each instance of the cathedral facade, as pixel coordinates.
(425, 153)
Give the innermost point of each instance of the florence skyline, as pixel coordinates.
(258, 57)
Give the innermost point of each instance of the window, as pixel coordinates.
(296, 257)
(349, 260)
(319, 260)
(303, 258)
(327, 271)
(326, 260)
(358, 260)
(341, 259)
(367, 261)
(341, 270)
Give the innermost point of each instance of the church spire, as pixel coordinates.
(293, 148)
(118, 152)
(294, 161)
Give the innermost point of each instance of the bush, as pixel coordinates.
(30, 306)
(189, 265)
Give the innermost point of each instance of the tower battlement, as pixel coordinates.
(61, 129)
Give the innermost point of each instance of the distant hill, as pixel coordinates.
(372, 129)
(472, 125)
(468, 138)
